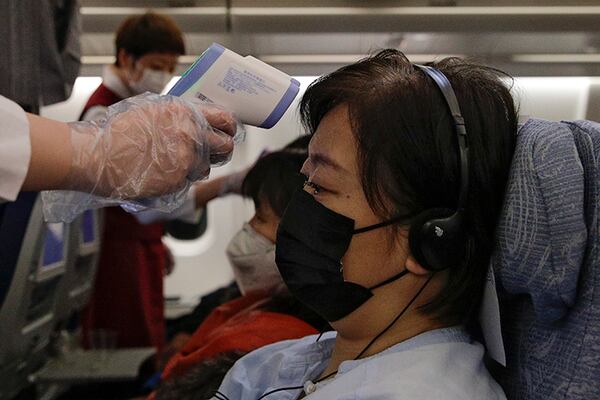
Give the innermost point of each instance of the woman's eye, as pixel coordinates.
(315, 188)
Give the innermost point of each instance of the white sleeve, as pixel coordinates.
(186, 213)
(15, 148)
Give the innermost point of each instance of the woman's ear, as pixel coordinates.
(414, 267)
(411, 264)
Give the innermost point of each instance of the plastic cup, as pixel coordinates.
(104, 341)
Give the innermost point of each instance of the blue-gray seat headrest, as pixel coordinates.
(541, 235)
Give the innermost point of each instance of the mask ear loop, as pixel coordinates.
(394, 220)
(390, 280)
(378, 225)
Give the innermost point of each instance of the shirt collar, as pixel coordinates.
(114, 83)
(318, 353)
(443, 335)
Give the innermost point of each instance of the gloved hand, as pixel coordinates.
(148, 146)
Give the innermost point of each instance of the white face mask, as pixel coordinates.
(152, 80)
(252, 257)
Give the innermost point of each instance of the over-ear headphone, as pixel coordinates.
(437, 236)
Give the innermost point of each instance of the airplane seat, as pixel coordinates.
(53, 271)
(84, 252)
(71, 366)
(587, 139)
(12, 230)
(547, 263)
(34, 255)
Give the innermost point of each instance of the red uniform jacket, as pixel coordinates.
(128, 295)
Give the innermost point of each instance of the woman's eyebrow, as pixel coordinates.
(323, 159)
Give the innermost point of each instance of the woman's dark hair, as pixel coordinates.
(408, 151)
(149, 33)
(276, 176)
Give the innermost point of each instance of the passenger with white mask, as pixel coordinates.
(252, 258)
(270, 182)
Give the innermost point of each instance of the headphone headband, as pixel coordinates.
(437, 236)
(445, 87)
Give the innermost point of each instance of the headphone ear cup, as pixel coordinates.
(436, 239)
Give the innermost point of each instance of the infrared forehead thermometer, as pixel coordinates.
(256, 92)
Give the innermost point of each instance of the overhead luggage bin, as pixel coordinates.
(416, 19)
(189, 19)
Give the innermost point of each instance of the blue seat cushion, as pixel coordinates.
(542, 233)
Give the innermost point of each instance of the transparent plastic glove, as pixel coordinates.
(145, 154)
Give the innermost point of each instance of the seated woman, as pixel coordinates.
(390, 240)
(266, 312)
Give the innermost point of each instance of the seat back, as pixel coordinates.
(84, 253)
(37, 254)
(547, 264)
(12, 231)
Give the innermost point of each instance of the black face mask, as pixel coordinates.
(311, 241)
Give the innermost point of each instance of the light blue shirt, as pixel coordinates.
(439, 364)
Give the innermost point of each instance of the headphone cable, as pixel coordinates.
(414, 298)
(220, 396)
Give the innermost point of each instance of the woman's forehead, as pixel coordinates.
(333, 143)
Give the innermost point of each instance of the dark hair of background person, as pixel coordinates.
(408, 152)
(275, 177)
(201, 381)
(149, 33)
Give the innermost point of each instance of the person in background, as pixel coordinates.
(128, 295)
(148, 47)
(276, 186)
